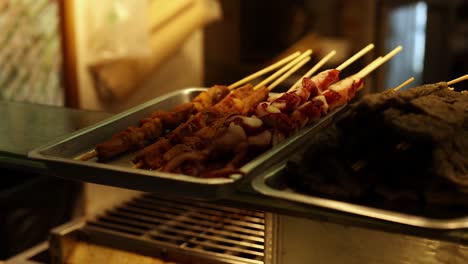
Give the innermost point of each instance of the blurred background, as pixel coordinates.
(111, 55)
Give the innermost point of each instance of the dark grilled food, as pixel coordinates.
(196, 131)
(218, 141)
(404, 151)
(151, 128)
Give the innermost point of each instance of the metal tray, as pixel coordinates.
(272, 184)
(60, 156)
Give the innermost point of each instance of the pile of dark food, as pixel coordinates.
(404, 151)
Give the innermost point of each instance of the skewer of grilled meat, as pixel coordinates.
(277, 126)
(161, 121)
(151, 128)
(236, 139)
(308, 87)
(326, 98)
(228, 143)
(276, 112)
(241, 101)
(238, 136)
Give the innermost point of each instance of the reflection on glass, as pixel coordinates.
(407, 27)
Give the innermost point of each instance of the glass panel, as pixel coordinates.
(407, 27)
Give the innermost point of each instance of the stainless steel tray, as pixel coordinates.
(270, 183)
(60, 156)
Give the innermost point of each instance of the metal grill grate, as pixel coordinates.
(233, 234)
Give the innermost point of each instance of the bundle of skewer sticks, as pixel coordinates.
(290, 64)
(235, 136)
(204, 100)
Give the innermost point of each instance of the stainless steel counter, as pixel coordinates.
(26, 126)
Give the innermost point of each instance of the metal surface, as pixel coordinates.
(268, 185)
(27, 126)
(184, 232)
(60, 156)
(301, 240)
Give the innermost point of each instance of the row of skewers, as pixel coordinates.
(226, 126)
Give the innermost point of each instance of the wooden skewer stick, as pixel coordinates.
(403, 84)
(315, 68)
(88, 156)
(373, 64)
(320, 63)
(355, 57)
(283, 69)
(459, 79)
(264, 70)
(341, 67)
(378, 62)
(288, 73)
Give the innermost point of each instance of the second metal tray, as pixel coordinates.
(272, 184)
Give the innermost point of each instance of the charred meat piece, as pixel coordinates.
(148, 159)
(151, 128)
(239, 101)
(128, 139)
(171, 119)
(210, 97)
(202, 126)
(451, 160)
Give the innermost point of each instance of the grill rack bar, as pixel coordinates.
(217, 232)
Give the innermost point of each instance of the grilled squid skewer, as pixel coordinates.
(308, 87)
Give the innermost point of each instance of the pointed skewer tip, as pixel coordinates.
(396, 89)
(459, 79)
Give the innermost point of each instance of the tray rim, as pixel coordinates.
(260, 186)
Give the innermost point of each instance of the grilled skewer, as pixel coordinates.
(239, 136)
(302, 90)
(240, 101)
(152, 127)
(155, 163)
